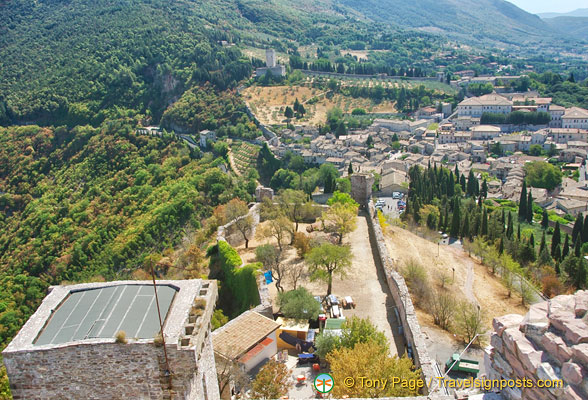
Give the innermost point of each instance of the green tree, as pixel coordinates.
(270, 257)
(541, 174)
(341, 129)
(484, 190)
(350, 169)
(294, 205)
(341, 219)
(299, 304)
(555, 241)
(288, 113)
(566, 247)
(578, 228)
(545, 220)
(530, 208)
(455, 219)
(342, 198)
(523, 202)
(327, 260)
(535, 150)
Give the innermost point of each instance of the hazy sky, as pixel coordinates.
(537, 6)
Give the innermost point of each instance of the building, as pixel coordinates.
(575, 118)
(556, 112)
(485, 132)
(489, 103)
(205, 136)
(68, 348)
(250, 339)
(271, 65)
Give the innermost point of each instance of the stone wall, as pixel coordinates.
(232, 235)
(361, 188)
(550, 342)
(401, 296)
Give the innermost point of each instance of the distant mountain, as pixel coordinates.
(580, 12)
(573, 26)
(469, 20)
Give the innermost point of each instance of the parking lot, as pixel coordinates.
(390, 206)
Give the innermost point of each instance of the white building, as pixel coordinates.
(490, 103)
(556, 112)
(205, 136)
(575, 118)
(485, 132)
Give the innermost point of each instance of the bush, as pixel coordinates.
(301, 243)
(417, 280)
(469, 321)
(299, 304)
(120, 337)
(442, 308)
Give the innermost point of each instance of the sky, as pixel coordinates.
(538, 6)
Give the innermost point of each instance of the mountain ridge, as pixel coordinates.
(579, 12)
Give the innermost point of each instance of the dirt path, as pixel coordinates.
(366, 283)
(469, 284)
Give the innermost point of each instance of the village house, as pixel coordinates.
(485, 132)
(556, 112)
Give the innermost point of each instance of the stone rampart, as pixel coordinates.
(410, 324)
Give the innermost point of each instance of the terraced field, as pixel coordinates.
(244, 156)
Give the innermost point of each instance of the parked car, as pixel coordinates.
(396, 195)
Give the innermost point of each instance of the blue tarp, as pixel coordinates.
(268, 277)
(298, 343)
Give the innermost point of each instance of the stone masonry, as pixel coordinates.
(550, 342)
(104, 369)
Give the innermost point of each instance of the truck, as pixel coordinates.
(462, 365)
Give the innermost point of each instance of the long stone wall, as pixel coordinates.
(549, 343)
(401, 296)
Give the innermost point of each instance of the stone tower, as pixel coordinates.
(361, 188)
(270, 58)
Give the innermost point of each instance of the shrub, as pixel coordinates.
(301, 243)
(417, 280)
(469, 321)
(299, 304)
(442, 308)
(121, 337)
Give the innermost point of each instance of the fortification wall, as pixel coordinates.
(412, 330)
(550, 343)
(230, 234)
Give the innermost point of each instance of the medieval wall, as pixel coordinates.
(401, 296)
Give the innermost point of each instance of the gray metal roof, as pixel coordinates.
(104, 311)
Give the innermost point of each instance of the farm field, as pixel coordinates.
(268, 104)
(244, 156)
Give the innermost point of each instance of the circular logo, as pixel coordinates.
(324, 383)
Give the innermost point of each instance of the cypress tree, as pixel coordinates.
(350, 169)
(470, 185)
(446, 222)
(543, 244)
(510, 227)
(532, 240)
(566, 247)
(555, 241)
(523, 202)
(456, 174)
(465, 231)
(519, 233)
(501, 247)
(557, 253)
(578, 248)
(578, 228)
(462, 182)
(503, 218)
(545, 220)
(585, 230)
(557, 270)
(580, 276)
(484, 191)
(455, 221)
(530, 208)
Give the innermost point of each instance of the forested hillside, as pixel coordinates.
(87, 204)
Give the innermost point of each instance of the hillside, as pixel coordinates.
(91, 204)
(468, 20)
(573, 26)
(580, 12)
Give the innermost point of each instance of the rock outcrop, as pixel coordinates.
(549, 343)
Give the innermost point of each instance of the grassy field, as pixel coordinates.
(268, 103)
